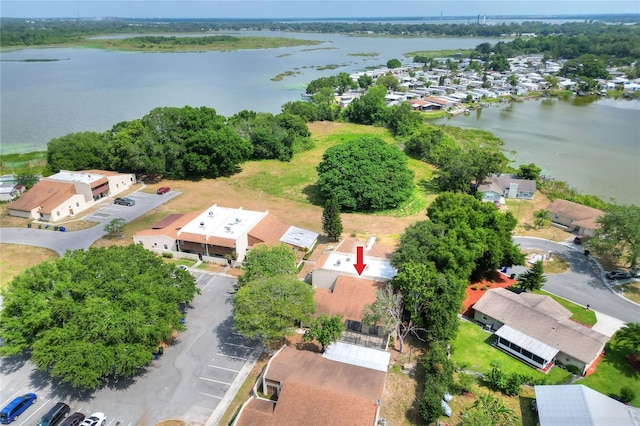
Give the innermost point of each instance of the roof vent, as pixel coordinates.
(202, 224)
(238, 220)
(210, 214)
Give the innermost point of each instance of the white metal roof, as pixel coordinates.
(223, 222)
(375, 267)
(358, 355)
(527, 342)
(577, 405)
(71, 176)
(299, 237)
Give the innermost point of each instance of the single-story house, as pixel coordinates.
(569, 405)
(306, 388)
(574, 217)
(537, 330)
(68, 193)
(10, 192)
(221, 232)
(508, 186)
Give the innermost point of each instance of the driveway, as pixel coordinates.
(63, 241)
(584, 283)
(188, 382)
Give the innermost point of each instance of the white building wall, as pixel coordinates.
(121, 183)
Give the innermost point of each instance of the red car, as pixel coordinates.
(163, 189)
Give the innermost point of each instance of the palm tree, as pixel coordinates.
(630, 334)
(540, 218)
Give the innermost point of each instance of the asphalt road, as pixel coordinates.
(584, 283)
(187, 382)
(63, 241)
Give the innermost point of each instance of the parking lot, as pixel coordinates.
(187, 382)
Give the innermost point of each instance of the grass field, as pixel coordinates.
(614, 373)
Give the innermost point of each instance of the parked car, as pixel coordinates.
(163, 190)
(73, 420)
(125, 201)
(55, 415)
(96, 419)
(16, 407)
(618, 275)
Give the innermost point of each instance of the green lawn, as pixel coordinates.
(580, 314)
(296, 179)
(472, 349)
(614, 372)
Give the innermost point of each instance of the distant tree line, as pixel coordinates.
(24, 32)
(617, 44)
(182, 143)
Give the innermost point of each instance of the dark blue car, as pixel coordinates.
(16, 407)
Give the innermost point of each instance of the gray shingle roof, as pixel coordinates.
(546, 321)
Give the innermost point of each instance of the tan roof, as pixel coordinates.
(546, 321)
(317, 391)
(348, 297)
(257, 412)
(269, 230)
(573, 210)
(46, 194)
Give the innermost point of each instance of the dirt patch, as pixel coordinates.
(15, 258)
(551, 262)
(172, 423)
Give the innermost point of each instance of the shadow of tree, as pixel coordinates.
(11, 364)
(529, 417)
(429, 186)
(313, 194)
(231, 343)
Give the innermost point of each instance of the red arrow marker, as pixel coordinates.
(359, 265)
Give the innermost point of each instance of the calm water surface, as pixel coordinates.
(595, 147)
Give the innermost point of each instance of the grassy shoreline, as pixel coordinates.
(177, 44)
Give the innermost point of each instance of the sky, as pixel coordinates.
(306, 8)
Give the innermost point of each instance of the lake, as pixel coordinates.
(595, 147)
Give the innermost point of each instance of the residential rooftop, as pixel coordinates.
(223, 222)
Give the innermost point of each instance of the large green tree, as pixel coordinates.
(369, 108)
(271, 308)
(365, 174)
(77, 151)
(268, 261)
(94, 314)
(619, 231)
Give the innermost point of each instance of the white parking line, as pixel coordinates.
(240, 346)
(231, 356)
(24, 421)
(217, 381)
(212, 396)
(222, 368)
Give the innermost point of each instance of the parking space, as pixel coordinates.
(187, 382)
